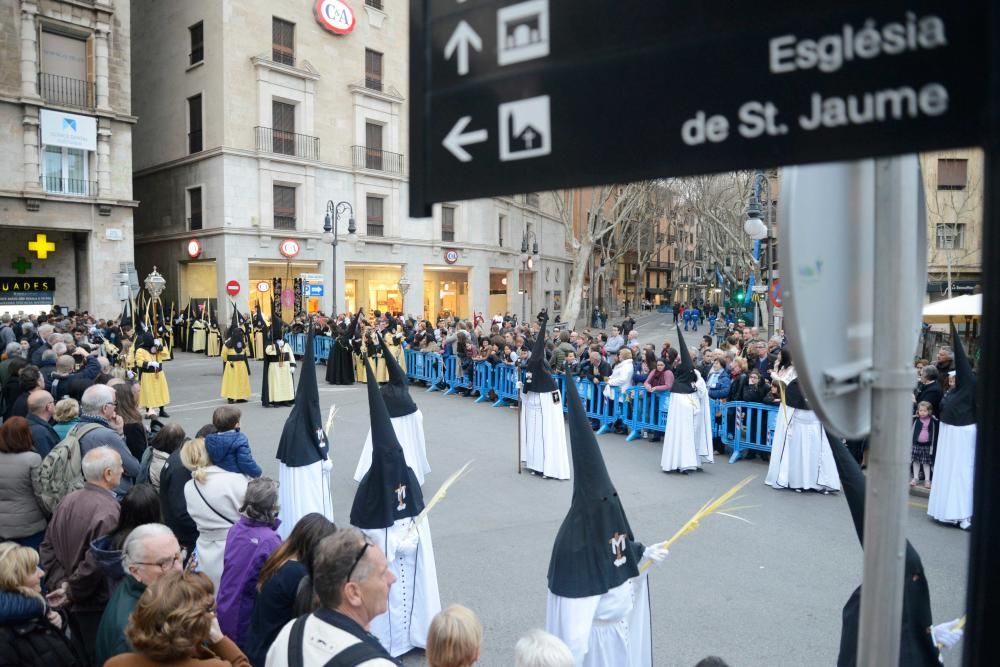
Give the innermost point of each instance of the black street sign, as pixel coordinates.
(509, 97)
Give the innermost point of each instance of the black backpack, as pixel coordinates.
(38, 643)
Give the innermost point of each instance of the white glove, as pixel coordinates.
(944, 635)
(327, 465)
(655, 553)
(153, 365)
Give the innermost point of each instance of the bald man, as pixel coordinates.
(41, 406)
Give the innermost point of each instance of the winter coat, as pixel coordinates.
(230, 450)
(718, 384)
(109, 559)
(20, 515)
(17, 608)
(28, 639)
(736, 385)
(173, 506)
(43, 436)
(275, 606)
(111, 639)
(156, 467)
(223, 653)
(220, 494)
(621, 377)
(248, 545)
(106, 437)
(931, 393)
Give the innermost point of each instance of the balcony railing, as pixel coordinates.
(284, 222)
(371, 83)
(270, 140)
(377, 159)
(69, 186)
(65, 91)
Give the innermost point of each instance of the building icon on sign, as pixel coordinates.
(523, 32)
(525, 129)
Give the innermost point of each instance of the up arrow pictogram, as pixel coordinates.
(463, 37)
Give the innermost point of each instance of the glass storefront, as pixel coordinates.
(446, 293)
(373, 287)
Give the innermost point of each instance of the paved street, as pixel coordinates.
(770, 593)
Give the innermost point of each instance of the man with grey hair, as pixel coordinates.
(7, 335)
(149, 552)
(352, 580)
(249, 543)
(76, 582)
(98, 406)
(542, 649)
(11, 351)
(48, 339)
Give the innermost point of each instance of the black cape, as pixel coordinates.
(340, 363)
(595, 549)
(958, 407)
(916, 647)
(303, 439)
(389, 491)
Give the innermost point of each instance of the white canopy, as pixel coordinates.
(959, 307)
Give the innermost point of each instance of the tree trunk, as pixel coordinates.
(574, 299)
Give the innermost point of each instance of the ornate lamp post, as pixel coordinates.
(404, 287)
(330, 226)
(758, 230)
(155, 284)
(527, 263)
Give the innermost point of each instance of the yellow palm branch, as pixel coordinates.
(441, 493)
(716, 505)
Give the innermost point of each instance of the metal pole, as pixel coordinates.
(333, 279)
(888, 470)
(770, 264)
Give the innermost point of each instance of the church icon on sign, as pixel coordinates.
(523, 32)
(525, 129)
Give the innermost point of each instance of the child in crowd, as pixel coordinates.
(229, 448)
(925, 430)
(454, 638)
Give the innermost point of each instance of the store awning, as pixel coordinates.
(960, 307)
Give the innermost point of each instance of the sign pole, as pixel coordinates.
(887, 491)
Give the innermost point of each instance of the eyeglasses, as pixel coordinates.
(167, 563)
(113, 404)
(357, 559)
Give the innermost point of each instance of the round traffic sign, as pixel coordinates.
(233, 287)
(193, 248)
(776, 293)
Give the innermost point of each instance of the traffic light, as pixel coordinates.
(739, 295)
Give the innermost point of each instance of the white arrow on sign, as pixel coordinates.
(463, 37)
(456, 140)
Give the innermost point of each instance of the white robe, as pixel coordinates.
(610, 630)
(303, 490)
(543, 435)
(801, 457)
(954, 471)
(413, 599)
(687, 440)
(410, 433)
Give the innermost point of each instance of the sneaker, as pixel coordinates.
(964, 524)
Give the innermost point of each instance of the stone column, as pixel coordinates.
(29, 51)
(32, 182)
(413, 301)
(479, 288)
(104, 158)
(101, 66)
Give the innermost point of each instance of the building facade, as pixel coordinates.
(66, 206)
(256, 118)
(953, 191)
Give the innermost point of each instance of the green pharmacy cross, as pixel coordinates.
(22, 265)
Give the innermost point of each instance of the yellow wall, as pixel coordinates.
(198, 281)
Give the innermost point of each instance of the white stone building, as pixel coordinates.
(66, 144)
(253, 115)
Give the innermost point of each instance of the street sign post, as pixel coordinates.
(233, 287)
(509, 97)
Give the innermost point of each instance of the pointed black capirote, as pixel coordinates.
(537, 377)
(303, 439)
(916, 646)
(594, 550)
(396, 392)
(258, 317)
(958, 407)
(389, 491)
(684, 375)
(236, 339)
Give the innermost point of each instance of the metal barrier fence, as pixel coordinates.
(740, 426)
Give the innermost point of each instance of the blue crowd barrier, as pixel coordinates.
(453, 376)
(505, 384)
(321, 346)
(747, 426)
(297, 342)
(482, 380)
(648, 413)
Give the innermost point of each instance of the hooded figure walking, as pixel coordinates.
(279, 367)
(303, 462)
(687, 440)
(259, 326)
(235, 363)
(955, 462)
(386, 507)
(543, 428)
(340, 365)
(154, 393)
(598, 601)
(407, 422)
(919, 640)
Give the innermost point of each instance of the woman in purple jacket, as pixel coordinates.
(249, 544)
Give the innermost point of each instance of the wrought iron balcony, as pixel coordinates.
(65, 91)
(281, 142)
(377, 159)
(68, 186)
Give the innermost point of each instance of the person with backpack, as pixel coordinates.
(102, 426)
(31, 633)
(75, 581)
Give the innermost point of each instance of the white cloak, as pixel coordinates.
(414, 599)
(610, 630)
(543, 434)
(221, 493)
(303, 490)
(410, 433)
(954, 471)
(801, 457)
(687, 440)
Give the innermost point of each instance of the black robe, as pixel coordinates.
(340, 364)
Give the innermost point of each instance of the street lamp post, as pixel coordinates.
(330, 225)
(527, 264)
(758, 229)
(404, 287)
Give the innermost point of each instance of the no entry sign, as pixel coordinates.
(513, 97)
(233, 287)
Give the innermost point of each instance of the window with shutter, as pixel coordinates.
(197, 42)
(283, 124)
(952, 174)
(448, 223)
(282, 41)
(373, 146)
(376, 223)
(194, 124)
(373, 69)
(284, 207)
(194, 205)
